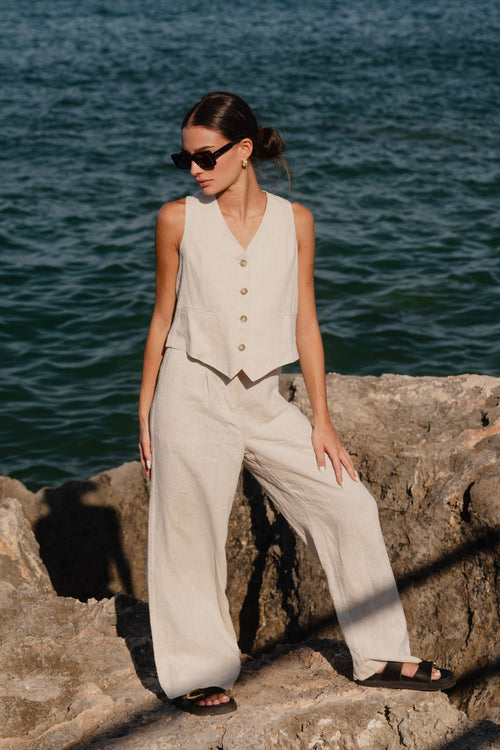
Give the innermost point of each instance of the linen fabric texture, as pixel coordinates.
(236, 308)
(206, 423)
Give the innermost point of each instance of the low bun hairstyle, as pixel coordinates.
(230, 115)
(268, 144)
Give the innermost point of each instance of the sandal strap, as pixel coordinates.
(391, 671)
(195, 695)
(424, 672)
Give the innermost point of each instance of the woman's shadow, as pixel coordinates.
(80, 544)
(81, 547)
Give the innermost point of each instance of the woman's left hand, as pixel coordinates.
(326, 441)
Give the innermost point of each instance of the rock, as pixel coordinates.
(20, 564)
(427, 448)
(14, 488)
(92, 534)
(63, 670)
(484, 508)
(299, 698)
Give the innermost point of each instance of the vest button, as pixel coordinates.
(243, 318)
(241, 347)
(243, 290)
(243, 262)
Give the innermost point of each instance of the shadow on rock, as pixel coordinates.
(132, 624)
(268, 532)
(80, 543)
(475, 738)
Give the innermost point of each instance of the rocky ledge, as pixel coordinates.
(75, 654)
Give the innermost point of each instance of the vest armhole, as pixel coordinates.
(186, 209)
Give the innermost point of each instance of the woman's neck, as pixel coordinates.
(244, 200)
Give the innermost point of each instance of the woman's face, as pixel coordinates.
(228, 168)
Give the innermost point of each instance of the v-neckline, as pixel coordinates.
(254, 235)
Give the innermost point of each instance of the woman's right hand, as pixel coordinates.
(145, 449)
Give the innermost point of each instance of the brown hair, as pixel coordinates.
(230, 115)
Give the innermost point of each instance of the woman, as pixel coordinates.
(234, 302)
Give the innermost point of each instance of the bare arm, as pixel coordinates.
(169, 229)
(312, 359)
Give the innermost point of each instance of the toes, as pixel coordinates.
(221, 698)
(214, 700)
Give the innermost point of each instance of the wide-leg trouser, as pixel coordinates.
(203, 426)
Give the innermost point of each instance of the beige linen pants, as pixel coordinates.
(203, 427)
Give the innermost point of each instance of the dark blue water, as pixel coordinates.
(392, 117)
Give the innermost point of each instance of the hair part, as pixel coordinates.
(230, 115)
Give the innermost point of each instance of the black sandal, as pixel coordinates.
(391, 677)
(188, 702)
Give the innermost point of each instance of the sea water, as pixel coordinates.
(391, 114)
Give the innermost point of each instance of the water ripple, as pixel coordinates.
(391, 114)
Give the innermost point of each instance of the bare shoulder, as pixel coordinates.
(303, 217)
(304, 226)
(171, 215)
(170, 224)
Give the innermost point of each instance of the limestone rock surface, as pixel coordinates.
(298, 698)
(428, 448)
(92, 533)
(20, 563)
(76, 674)
(64, 669)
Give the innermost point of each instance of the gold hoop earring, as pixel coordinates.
(244, 163)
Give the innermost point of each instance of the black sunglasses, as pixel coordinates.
(204, 159)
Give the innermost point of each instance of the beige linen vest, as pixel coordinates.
(236, 308)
